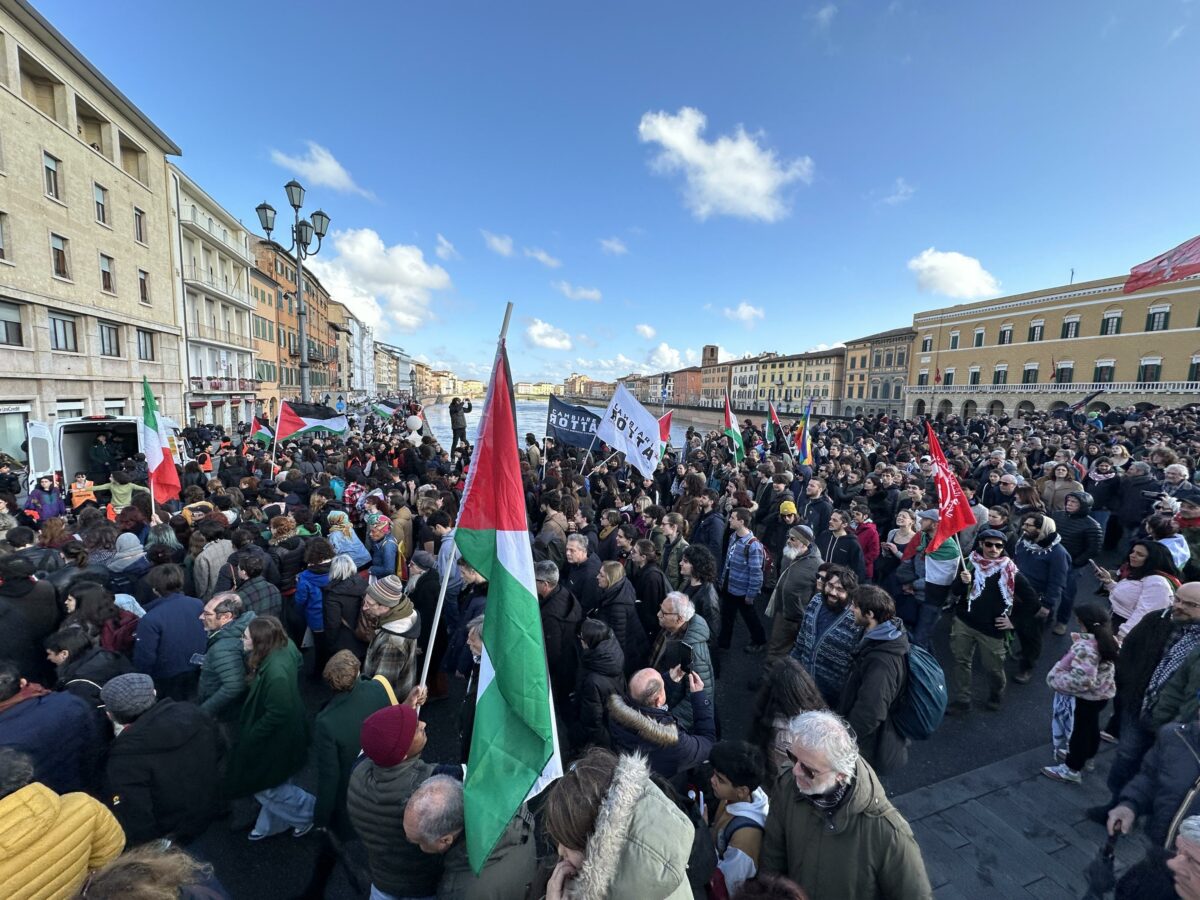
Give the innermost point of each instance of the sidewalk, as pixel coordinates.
(1006, 830)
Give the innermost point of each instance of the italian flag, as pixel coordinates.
(774, 426)
(731, 431)
(164, 478)
(664, 434)
(260, 430)
(304, 418)
(514, 747)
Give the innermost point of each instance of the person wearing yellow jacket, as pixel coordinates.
(49, 844)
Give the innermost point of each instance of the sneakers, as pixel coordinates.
(1059, 628)
(1024, 676)
(958, 708)
(302, 830)
(1062, 773)
(994, 704)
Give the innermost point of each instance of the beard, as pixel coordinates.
(790, 552)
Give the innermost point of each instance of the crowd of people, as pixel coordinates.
(156, 658)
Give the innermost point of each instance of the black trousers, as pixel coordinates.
(744, 607)
(1031, 632)
(1085, 733)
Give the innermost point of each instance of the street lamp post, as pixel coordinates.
(302, 235)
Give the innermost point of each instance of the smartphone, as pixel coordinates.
(685, 658)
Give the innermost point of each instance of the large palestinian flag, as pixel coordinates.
(304, 418)
(732, 432)
(514, 750)
(385, 408)
(261, 430)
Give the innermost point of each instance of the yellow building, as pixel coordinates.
(876, 373)
(790, 381)
(268, 296)
(1046, 349)
(714, 377)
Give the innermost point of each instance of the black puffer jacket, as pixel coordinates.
(618, 610)
(289, 558)
(1105, 492)
(878, 673)
(601, 674)
(1080, 533)
(1165, 780)
(85, 675)
(560, 618)
(580, 580)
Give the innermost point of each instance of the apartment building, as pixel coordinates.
(85, 261)
(790, 381)
(268, 296)
(743, 381)
(714, 377)
(877, 372)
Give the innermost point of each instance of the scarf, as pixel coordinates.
(985, 569)
(1187, 523)
(829, 802)
(1037, 547)
(1186, 640)
(1101, 476)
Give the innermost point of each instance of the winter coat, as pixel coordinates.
(59, 731)
(354, 548)
(815, 513)
(668, 653)
(655, 733)
(1176, 700)
(651, 587)
(990, 604)
(1105, 493)
(580, 579)
(883, 505)
(743, 570)
(1133, 598)
(708, 605)
(827, 657)
(458, 418)
(225, 580)
(384, 555)
(709, 531)
(472, 602)
(868, 540)
(1055, 493)
(878, 673)
(36, 601)
(561, 616)
(86, 675)
(1132, 507)
(1080, 534)
(207, 567)
(641, 844)
(506, 873)
(863, 850)
(1141, 651)
(1161, 793)
(18, 644)
(272, 741)
(1081, 673)
(223, 673)
(393, 653)
(168, 636)
(671, 556)
(153, 778)
(289, 558)
(1047, 568)
(796, 585)
(373, 797)
(601, 674)
(336, 741)
(50, 843)
(844, 551)
(341, 605)
(308, 600)
(424, 597)
(618, 610)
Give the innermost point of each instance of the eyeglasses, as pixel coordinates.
(994, 545)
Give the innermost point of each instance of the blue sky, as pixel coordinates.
(646, 178)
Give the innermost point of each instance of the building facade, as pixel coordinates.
(714, 377)
(362, 361)
(387, 372)
(267, 296)
(743, 381)
(85, 259)
(687, 385)
(791, 381)
(877, 372)
(1045, 350)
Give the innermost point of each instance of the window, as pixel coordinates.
(927, 343)
(1000, 375)
(900, 358)
(62, 333)
(60, 255)
(1036, 330)
(954, 340)
(1150, 371)
(1006, 332)
(1111, 323)
(4, 251)
(50, 166)
(1104, 371)
(1070, 328)
(144, 286)
(878, 359)
(139, 226)
(145, 344)
(108, 282)
(923, 378)
(853, 362)
(1194, 369)
(948, 378)
(874, 392)
(100, 195)
(1029, 375)
(1064, 373)
(973, 376)
(1158, 318)
(133, 158)
(110, 339)
(979, 335)
(10, 325)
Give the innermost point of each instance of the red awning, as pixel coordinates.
(235, 401)
(218, 402)
(197, 404)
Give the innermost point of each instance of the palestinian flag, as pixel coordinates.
(664, 434)
(303, 418)
(385, 409)
(731, 431)
(774, 426)
(261, 430)
(514, 751)
(156, 444)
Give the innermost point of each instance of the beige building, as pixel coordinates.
(212, 261)
(85, 261)
(743, 381)
(472, 388)
(575, 385)
(1045, 350)
(876, 373)
(790, 381)
(714, 377)
(267, 294)
(427, 386)
(387, 372)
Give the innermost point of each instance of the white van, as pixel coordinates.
(61, 449)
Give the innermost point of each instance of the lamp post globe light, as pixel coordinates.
(303, 231)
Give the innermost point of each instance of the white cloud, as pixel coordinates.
(745, 313)
(664, 358)
(953, 275)
(824, 16)
(1176, 34)
(543, 334)
(816, 348)
(572, 292)
(543, 257)
(619, 365)
(445, 249)
(733, 175)
(613, 245)
(319, 167)
(646, 331)
(385, 286)
(498, 243)
(901, 191)
(691, 355)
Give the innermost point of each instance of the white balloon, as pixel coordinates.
(413, 423)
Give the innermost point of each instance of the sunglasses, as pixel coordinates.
(995, 545)
(810, 774)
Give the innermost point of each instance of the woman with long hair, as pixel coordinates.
(1145, 583)
(167, 537)
(787, 691)
(1057, 485)
(618, 609)
(54, 534)
(272, 742)
(698, 577)
(93, 608)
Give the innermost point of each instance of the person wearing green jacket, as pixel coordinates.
(273, 736)
(120, 490)
(223, 673)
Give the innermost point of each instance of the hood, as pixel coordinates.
(755, 808)
(1085, 503)
(621, 592)
(165, 726)
(867, 797)
(641, 721)
(606, 658)
(407, 627)
(885, 631)
(640, 844)
(27, 814)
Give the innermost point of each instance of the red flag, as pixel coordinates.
(954, 510)
(1053, 370)
(664, 428)
(937, 376)
(1173, 265)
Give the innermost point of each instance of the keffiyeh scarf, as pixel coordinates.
(984, 569)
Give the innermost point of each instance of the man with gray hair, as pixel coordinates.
(434, 820)
(682, 642)
(561, 615)
(834, 808)
(223, 672)
(582, 568)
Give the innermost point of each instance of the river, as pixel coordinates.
(531, 417)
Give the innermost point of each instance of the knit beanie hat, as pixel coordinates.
(387, 591)
(387, 734)
(128, 696)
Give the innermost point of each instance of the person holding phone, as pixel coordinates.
(682, 642)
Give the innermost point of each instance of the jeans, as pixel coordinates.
(284, 806)
(744, 607)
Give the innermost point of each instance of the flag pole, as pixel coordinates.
(583, 465)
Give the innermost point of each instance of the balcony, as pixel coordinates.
(197, 223)
(225, 384)
(1078, 387)
(228, 336)
(218, 287)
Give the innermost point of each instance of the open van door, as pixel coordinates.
(179, 451)
(41, 452)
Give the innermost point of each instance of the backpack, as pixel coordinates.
(767, 564)
(922, 704)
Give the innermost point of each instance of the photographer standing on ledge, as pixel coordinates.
(458, 421)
